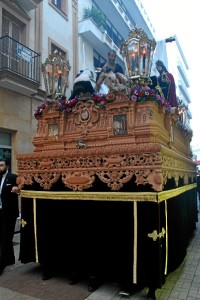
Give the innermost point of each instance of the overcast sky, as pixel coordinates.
(181, 18)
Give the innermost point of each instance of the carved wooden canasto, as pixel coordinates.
(124, 141)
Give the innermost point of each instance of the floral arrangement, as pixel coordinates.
(145, 93)
(39, 110)
(137, 94)
(67, 105)
(99, 100)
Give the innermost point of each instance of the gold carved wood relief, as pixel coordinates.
(124, 141)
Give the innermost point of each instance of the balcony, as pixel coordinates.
(183, 90)
(98, 37)
(183, 74)
(19, 67)
(28, 4)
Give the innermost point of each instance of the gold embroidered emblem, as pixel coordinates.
(22, 223)
(154, 235)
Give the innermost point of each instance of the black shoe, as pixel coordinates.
(151, 294)
(94, 283)
(47, 275)
(74, 278)
(10, 262)
(2, 270)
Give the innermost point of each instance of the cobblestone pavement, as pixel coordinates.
(23, 282)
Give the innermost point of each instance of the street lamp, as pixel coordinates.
(138, 52)
(55, 73)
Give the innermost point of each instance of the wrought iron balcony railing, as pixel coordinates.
(18, 58)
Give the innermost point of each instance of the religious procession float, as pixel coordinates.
(110, 189)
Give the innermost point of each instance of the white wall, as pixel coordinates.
(59, 29)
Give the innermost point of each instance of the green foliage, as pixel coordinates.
(96, 15)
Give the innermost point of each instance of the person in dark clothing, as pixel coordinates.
(154, 82)
(82, 84)
(167, 83)
(198, 191)
(9, 213)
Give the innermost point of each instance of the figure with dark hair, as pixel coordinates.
(110, 69)
(154, 82)
(82, 84)
(9, 213)
(167, 83)
(155, 86)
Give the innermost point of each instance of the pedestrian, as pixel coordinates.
(9, 213)
(198, 191)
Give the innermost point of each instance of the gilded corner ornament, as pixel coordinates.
(155, 235)
(22, 223)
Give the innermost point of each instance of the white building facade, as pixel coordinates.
(118, 18)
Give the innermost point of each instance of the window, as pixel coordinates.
(60, 5)
(15, 29)
(5, 145)
(12, 26)
(55, 47)
(98, 59)
(57, 3)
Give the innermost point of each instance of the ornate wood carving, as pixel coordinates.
(46, 179)
(115, 179)
(86, 114)
(78, 181)
(25, 179)
(122, 142)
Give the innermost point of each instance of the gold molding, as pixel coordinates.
(162, 196)
(156, 197)
(98, 196)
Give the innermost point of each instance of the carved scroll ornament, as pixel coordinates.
(115, 179)
(78, 181)
(46, 179)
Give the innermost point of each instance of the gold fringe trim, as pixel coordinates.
(166, 239)
(35, 229)
(135, 238)
(108, 196)
(162, 196)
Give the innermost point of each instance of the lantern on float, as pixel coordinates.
(55, 73)
(138, 52)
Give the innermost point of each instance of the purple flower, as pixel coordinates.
(134, 98)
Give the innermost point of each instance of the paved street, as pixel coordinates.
(23, 282)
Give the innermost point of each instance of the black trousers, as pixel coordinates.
(7, 229)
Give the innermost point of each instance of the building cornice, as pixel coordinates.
(17, 9)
